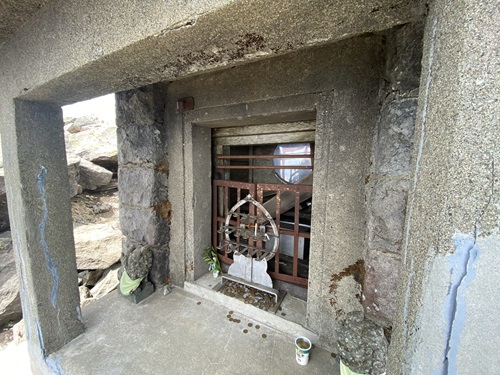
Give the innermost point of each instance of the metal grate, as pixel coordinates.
(285, 267)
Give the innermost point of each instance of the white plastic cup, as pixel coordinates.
(302, 348)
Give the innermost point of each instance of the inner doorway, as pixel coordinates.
(276, 168)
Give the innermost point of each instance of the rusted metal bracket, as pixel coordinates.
(185, 104)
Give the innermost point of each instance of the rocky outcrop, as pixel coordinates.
(107, 283)
(93, 176)
(10, 303)
(19, 332)
(98, 246)
(89, 278)
(4, 212)
(97, 144)
(92, 153)
(73, 163)
(98, 242)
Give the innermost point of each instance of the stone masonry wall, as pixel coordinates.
(388, 182)
(143, 175)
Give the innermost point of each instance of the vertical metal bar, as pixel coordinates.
(214, 214)
(217, 203)
(238, 219)
(296, 235)
(220, 201)
(226, 200)
(250, 162)
(253, 192)
(260, 199)
(226, 206)
(277, 221)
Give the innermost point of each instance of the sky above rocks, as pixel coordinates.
(102, 107)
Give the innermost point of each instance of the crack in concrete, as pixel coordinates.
(411, 275)
(274, 345)
(217, 355)
(462, 274)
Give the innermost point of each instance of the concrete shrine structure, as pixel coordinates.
(400, 97)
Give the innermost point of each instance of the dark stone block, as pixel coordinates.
(141, 106)
(141, 187)
(144, 225)
(395, 137)
(140, 144)
(159, 271)
(386, 214)
(144, 290)
(404, 49)
(381, 286)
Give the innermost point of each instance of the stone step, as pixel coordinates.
(288, 320)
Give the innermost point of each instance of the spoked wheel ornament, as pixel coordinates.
(247, 241)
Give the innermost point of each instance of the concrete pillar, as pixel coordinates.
(389, 179)
(336, 264)
(447, 320)
(143, 170)
(42, 228)
(198, 202)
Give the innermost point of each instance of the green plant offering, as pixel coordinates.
(210, 256)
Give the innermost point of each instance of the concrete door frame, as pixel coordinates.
(197, 179)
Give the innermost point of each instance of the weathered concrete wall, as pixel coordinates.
(338, 85)
(143, 174)
(447, 321)
(389, 178)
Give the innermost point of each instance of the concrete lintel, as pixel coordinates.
(179, 39)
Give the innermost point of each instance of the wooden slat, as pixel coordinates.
(263, 139)
(287, 127)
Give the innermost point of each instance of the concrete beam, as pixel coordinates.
(14, 13)
(102, 48)
(448, 318)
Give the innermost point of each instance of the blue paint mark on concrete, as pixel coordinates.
(79, 314)
(55, 366)
(41, 182)
(461, 266)
(40, 338)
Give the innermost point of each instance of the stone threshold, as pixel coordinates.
(290, 319)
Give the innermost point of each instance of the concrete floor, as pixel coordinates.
(181, 333)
